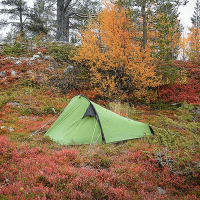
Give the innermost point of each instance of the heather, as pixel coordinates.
(163, 166)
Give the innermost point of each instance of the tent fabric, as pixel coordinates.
(82, 121)
(90, 111)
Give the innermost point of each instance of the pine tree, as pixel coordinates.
(196, 16)
(143, 12)
(81, 18)
(168, 28)
(68, 11)
(158, 28)
(16, 10)
(62, 33)
(170, 9)
(139, 11)
(41, 16)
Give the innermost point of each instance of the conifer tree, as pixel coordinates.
(68, 11)
(196, 16)
(143, 12)
(139, 11)
(158, 28)
(42, 16)
(18, 11)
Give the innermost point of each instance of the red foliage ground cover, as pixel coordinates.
(38, 173)
(35, 170)
(189, 92)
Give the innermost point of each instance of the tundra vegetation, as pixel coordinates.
(116, 69)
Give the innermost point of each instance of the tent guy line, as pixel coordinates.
(37, 131)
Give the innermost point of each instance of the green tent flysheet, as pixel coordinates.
(85, 122)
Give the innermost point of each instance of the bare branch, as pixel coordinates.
(66, 6)
(81, 15)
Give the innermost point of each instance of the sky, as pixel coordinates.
(186, 13)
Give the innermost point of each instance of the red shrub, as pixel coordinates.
(189, 92)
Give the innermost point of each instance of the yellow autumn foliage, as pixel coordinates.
(194, 43)
(184, 48)
(118, 65)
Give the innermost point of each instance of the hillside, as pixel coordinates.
(164, 166)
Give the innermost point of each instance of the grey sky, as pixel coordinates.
(186, 13)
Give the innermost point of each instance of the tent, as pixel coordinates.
(85, 122)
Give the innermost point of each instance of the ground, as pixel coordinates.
(163, 166)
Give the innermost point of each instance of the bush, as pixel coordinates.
(61, 52)
(183, 90)
(14, 50)
(5, 98)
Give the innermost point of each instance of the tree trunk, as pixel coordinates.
(62, 23)
(144, 28)
(21, 20)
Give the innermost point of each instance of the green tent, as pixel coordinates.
(85, 122)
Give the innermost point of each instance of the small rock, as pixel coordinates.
(47, 57)
(6, 58)
(39, 53)
(68, 69)
(13, 73)
(35, 57)
(14, 58)
(54, 110)
(18, 63)
(15, 104)
(38, 61)
(160, 191)
(10, 129)
(194, 119)
(50, 68)
(23, 58)
(3, 73)
(29, 72)
(30, 63)
(198, 111)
